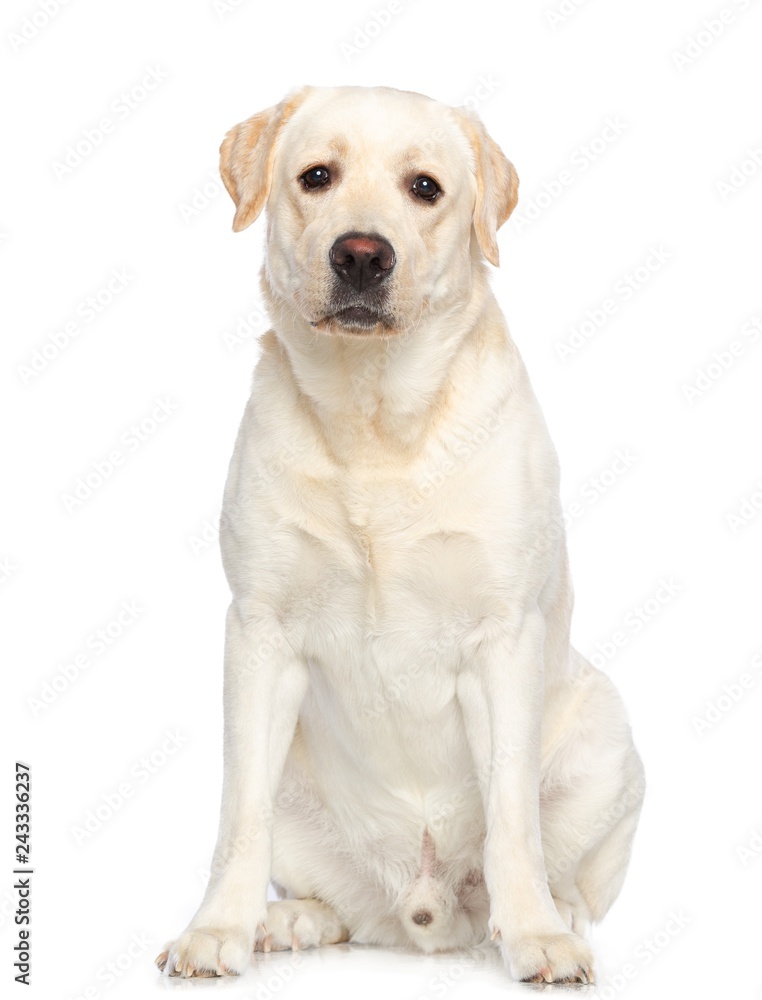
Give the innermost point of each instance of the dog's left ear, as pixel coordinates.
(497, 185)
(247, 155)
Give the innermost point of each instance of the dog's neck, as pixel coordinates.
(388, 392)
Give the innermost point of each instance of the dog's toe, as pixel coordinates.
(295, 924)
(558, 958)
(203, 954)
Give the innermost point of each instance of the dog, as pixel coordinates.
(414, 754)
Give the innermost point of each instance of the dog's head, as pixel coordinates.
(374, 197)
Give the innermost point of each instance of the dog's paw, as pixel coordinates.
(556, 958)
(205, 952)
(293, 924)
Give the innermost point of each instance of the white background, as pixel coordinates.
(146, 202)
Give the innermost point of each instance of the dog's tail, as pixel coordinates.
(430, 910)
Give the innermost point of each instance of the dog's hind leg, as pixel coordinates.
(294, 924)
(590, 805)
(601, 872)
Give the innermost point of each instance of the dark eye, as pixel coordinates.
(315, 177)
(426, 188)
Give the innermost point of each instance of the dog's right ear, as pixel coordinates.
(247, 155)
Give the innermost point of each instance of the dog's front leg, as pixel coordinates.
(265, 682)
(501, 693)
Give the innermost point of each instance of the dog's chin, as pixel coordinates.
(357, 321)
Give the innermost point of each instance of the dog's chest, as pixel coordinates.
(391, 586)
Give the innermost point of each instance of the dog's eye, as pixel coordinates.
(426, 188)
(315, 177)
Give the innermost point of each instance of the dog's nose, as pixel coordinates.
(362, 260)
(423, 917)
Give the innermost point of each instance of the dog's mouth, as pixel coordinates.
(355, 319)
(360, 316)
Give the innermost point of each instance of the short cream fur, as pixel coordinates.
(414, 753)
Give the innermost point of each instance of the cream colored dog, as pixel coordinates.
(414, 754)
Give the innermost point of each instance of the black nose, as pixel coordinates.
(363, 260)
(423, 917)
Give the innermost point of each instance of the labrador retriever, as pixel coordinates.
(414, 753)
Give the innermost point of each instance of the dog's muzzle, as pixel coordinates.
(362, 260)
(361, 263)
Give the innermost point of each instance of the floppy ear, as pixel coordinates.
(246, 158)
(497, 186)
